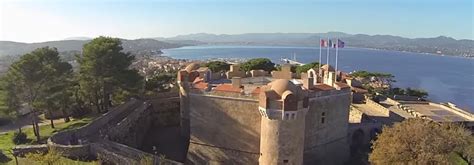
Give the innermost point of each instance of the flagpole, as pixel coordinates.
(337, 50)
(320, 52)
(327, 56)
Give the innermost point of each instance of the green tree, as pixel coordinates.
(160, 82)
(30, 79)
(258, 63)
(104, 74)
(416, 92)
(417, 141)
(217, 66)
(375, 81)
(306, 67)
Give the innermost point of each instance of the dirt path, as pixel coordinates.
(25, 122)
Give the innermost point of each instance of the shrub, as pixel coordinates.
(51, 157)
(78, 112)
(3, 157)
(417, 141)
(258, 63)
(19, 138)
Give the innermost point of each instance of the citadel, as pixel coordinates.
(317, 117)
(263, 119)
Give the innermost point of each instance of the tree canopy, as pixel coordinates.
(258, 63)
(409, 92)
(217, 66)
(417, 141)
(306, 67)
(160, 82)
(375, 81)
(104, 74)
(34, 78)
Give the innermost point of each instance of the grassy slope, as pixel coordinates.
(45, 131)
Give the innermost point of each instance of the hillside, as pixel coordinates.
(437, 45)
(137, 47)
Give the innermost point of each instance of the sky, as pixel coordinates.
(47, 20)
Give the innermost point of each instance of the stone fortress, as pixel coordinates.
(264, 119)
(322, 117)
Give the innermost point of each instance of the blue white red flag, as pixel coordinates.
(340, 43)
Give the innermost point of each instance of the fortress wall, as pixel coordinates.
(377, 106)
(126, 124)
(165, 112)
(63, 138)
(131, 130)
(355, 115)
(327, 143)
(117, 153)
(224, 130)
(157, 112)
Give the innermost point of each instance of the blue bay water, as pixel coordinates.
(445, 78)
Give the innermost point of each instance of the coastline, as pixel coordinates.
(359, 61)
(224, 46)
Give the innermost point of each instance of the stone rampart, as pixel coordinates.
(131, 130)
(125, 123)
(117, 153)
(378, 107)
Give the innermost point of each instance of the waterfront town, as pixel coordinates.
(312, 82)
(234, 112)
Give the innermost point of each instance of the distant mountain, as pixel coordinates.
(437, 45)
(78, 38)
(138, 46)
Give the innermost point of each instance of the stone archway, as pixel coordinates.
(357, 141)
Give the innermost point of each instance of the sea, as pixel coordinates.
(445, 78)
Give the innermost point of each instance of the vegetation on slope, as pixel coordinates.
(417, 141)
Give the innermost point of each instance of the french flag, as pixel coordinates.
(340, 44)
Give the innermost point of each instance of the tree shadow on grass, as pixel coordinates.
(4, 158)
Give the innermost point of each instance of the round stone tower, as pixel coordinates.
(185, 78)
(283, 106)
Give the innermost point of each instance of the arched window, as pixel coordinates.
(290, 102)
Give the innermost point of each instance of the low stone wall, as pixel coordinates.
(379, 107)
(22, 150)
(456, 110)
(117, 153)
(71, 151)
(391, 101)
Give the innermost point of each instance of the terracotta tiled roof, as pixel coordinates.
(200, 85)
(322, 87)
(342, 85)
(198, 80)
(227, 88)
(256, 91)
(359, 90)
